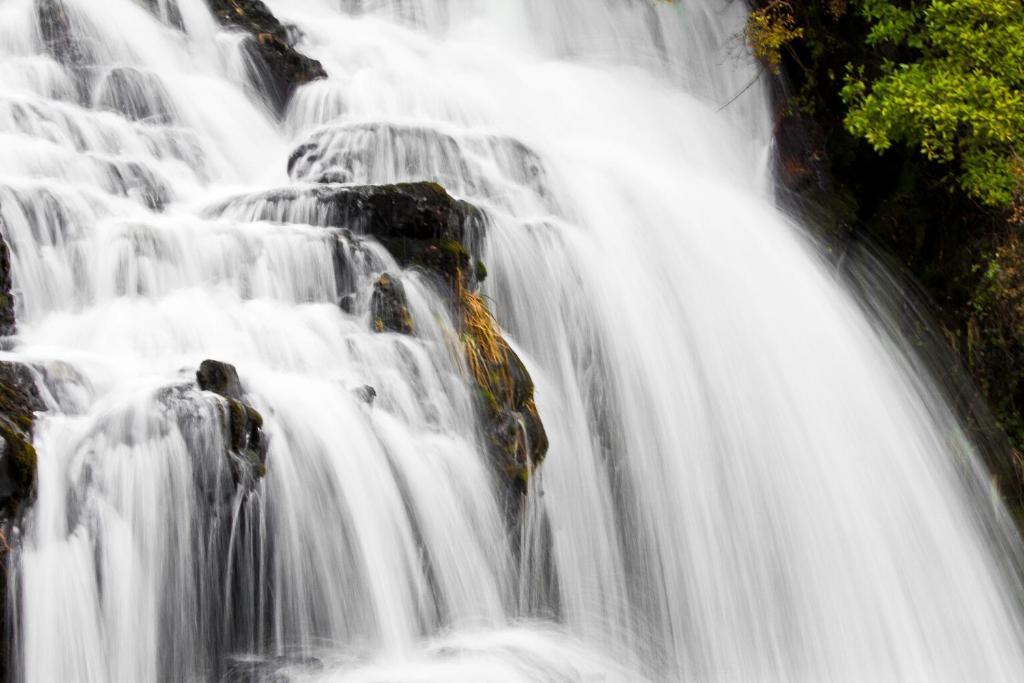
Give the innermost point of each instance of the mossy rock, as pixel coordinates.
(19, 401)
(513, 431)
(389, 307)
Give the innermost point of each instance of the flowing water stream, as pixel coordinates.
(749, 478)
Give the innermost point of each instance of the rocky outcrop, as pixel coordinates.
(278, 68)
(414, 213)
(423, 234)
(513, 430)
(247, 447)
(424, 227)
(419, 223)
(8, 322)
(19, 401)
(389, 309)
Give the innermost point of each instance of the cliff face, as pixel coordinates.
(961, 254)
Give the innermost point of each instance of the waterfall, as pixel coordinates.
(749, 476)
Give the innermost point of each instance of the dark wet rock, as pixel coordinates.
(8, 322)
(405, 211)
(347, 303)
(252, 16)
(19, 400)
(419, 223)
(428, 238)
(247, 445)
(366, 394)
(220, 378)
(135, 94)
(424, 227)
(513, 430)
(278, 69)
(389, 308)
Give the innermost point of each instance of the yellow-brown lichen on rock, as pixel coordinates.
(513, 429)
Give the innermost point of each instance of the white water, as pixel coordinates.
(747, 480)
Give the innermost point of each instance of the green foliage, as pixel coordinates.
(950, 84)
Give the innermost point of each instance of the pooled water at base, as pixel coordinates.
(749, 478)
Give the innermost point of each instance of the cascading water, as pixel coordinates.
(748, 478)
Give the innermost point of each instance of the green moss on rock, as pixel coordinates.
(19, 401)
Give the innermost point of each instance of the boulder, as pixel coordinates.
(19, 400)
(220, 378)
(405, 211)
(247, 445)
(419, 223)
(513, 431)
(389, 308)
(422, 226)
(278, 69)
